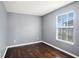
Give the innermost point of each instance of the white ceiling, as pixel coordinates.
(38, 8)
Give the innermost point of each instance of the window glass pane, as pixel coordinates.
(71, 15)
(64, 20)
(64, 34)
(67, 34)
(70, 34)
(70, 22)
(59, 21)
(59, 33)
(70, 19)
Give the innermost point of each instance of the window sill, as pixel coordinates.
(65, 41)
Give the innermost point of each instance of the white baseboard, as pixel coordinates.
(5, 52)
(24, 44)
(19, 45)
(60, 49)
(39, 42)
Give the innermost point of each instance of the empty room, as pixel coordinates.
(39, 29)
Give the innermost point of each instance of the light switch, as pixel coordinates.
(14, 41)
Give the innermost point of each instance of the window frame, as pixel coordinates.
(65, 41)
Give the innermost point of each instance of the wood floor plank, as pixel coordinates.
(38, 50)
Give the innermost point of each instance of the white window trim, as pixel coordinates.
(66, 27)
(72, 43)
(65, 41)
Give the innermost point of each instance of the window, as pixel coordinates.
(65, 27)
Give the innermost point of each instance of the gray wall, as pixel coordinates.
(27, 28)
(3, 29)
(49, 29)
(23, 28)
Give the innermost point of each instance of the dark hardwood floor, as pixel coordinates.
(38, 50)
